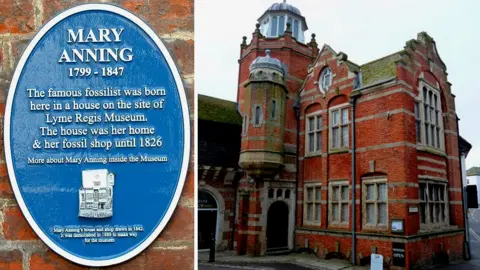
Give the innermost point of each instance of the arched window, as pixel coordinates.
(431, 119)
(273, 109)
(258, 113)
(270, 193)
(279, 193)
(287, 194)
(325, 79)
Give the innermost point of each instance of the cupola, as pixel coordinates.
(273, 22)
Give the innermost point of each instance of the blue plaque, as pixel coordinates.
(97, 135)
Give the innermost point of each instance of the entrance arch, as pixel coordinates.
(207, 219)
(277, 226)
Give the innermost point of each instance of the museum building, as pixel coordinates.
(275, 168)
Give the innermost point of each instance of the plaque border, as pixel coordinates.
(186, 124)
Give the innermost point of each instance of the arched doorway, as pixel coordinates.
(277, 226)
(207, 219)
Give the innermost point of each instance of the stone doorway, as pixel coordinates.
(277, 227)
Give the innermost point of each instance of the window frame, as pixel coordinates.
(428, 224)
(341, 126)
(317, 131)
(315, 186)
(375, 181)
(426, 107)
(340, 201)
(321, 77)
(260, 116)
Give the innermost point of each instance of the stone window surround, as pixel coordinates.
(338, 108)
(321, 77)
(373, 180)
(340, 183)
(245, 125)
(419, 101)
(315, 131)
(429, 226)
(254, 113)
(315, 186)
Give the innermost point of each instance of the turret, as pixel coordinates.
(264, 117)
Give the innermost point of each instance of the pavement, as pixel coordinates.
(228, 260)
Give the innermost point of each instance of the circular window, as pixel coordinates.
(325, 79)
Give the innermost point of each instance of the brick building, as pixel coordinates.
(310, 115)
(20, 247)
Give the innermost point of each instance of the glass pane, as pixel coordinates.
(344, 116)
(281, 25)
(257, 115)
(430, 100)
(318, 194)
(442, 212)
(436, 117)
(437, 212)
(382, 192)
(432, 220)
(279, 193)
(344, 212)
(435, 99)
(319, 141)
(317, 212)
(438, 137)
(270, 193)
(273, 108)
(421, 191)
(287, 194)
(335, 213)
(417, 126)
(345, 136)
(319, 122)
(295, 29)
(441, 193)
(426, 134)
(311, 142)
(422, 213)
(310, 212)
(382, 213)
(309, 194)
(370, 192)
(416, 110)
(335, 139)
(425, 112)
(371, 213)
(433, 135)
(344, 193)
(274, 26)
(311, 122)
(335, 193)
(425, 95)
(335, 118)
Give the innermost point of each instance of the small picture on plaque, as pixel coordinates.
(96, 194)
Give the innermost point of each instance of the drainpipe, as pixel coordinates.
(466, 242)
(232, 237)
(353, 99)
(296, 107)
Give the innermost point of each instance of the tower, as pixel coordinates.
(265, 93)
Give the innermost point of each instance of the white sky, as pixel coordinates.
(365, 30)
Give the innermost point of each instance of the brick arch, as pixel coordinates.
(337, 100)
(312, 108)
(220, 212)
(374, 174)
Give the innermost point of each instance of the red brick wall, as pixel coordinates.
(173, 22)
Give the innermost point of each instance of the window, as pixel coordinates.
(325, 79)
(418, 124)
(258, 116)
(295, 29)
(433, 204)
(281, 25)
(339, 128)
(274, 26)
(273, 109)
(431, 122)
(245, 125)
(374, 206)
(338, 203)
(314, 134)
(312, 204)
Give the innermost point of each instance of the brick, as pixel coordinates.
(15, 226)
(184, 52)
(18, 17)
(188, 187)
(11, 259)
(165, 16)
(49, 260)
(160, 259)
(180, 226)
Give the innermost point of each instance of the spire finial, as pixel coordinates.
(284, 1)
(267, 51)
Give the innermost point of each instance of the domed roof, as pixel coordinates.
(268, 62)
(284, 6)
